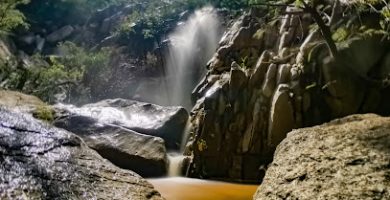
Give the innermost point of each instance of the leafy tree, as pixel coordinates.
(10, 16)
(154, 16)
(75, 75)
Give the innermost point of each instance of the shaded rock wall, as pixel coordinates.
(270, 76)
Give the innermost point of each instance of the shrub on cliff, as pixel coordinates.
(10, 17)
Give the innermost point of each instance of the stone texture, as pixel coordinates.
(12, 99)
(270, 80)
(42, 162)
(281, 115)
(295, 83)
(145, 118)
(146, 155)
(347, 158)
(60, 34)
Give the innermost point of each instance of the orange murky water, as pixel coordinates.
(178, 188)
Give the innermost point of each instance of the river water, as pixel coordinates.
(178, 188)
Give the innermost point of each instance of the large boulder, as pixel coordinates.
(26, 103)
(42, 162)
(145, 118)
(14, 99)
(347, 158)
(143, 154)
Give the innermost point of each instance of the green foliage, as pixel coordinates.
(244, 63)
(341, 34)
(10, 17)
(232, 5)
(154, 16)
(80, 71)
(45, 113)
(202, 145)
(74, 75)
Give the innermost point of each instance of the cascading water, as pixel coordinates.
(191, 45)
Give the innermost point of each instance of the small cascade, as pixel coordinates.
(191, 46)
(175, 165)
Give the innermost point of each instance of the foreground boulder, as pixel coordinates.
(143, 154)
(344, 159)
(145, 118)
(42, 162)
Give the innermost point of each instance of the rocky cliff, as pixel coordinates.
(271, 75)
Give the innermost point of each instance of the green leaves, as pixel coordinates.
(10, 17)
(340, 34)
(153, 16)
(299, 3)
(74, 74)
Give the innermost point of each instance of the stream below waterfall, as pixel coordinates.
(179, 188)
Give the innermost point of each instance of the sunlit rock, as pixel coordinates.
(281, 115)
(345, 159)
(260, 71)
(42, 162)
(270, 80)
(145, 118)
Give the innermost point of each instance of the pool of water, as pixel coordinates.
(179, 188)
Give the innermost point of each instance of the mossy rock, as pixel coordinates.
(17, 99)
(26, 103)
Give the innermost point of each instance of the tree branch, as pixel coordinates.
(325, 29)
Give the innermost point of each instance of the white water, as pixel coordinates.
(175, 165)
(192, 44)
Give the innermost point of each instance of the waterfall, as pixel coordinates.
(192, 44)
(175, 165)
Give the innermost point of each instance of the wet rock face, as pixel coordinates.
(146, 155)
(42, 162)
(145, 118)
(347, 158)
(269, 78)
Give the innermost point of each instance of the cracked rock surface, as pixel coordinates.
(38, 161)
(347, 158)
